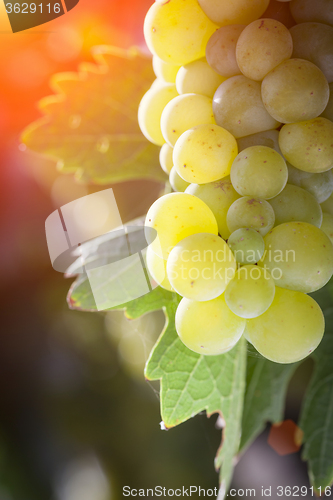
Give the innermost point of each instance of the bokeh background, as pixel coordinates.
(77, 419)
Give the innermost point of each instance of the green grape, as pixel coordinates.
(247, 245)
(263, 45)
(175, 216)
(308, 145)
(198, 77)
(233, 11)
(248, 212)
(294, 91)
(150, 111)
(327, 206)
(200, 266)
(177, 31)
(259, 171)
(165, 71)
(166, 160)
(314, 42)
(299, 256)
(289, 330)
(269, 138)
(157, 269)
(221, 50)
(209, 327)
(328, 111)
(177, 183)
(251, 292)
(238, 107)
(327, 225)
(204, 154)
(296, 204)
(320, 11)
(319, 185)
(183, 113)
(218, 195)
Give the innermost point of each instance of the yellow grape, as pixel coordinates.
(319, 185)
(299, 256)
(320, 11)
(253, 213)
(308, 145)
(269, 138)
(296, 204)
(263, 45)
(157, 269)
(165, 71)
(175, 216)
(327, 225)
(218, 195)
(200, 266)
(184, 112)
(150, 111)
(238, 107)
(294, 91)
(259, 171)
(204, 154)
(166, 160)
(221, 50)
(247, 245)
(177, 31)
(209, 327)
(251, 292)
(328, 111)
(289, 330)
(177, 183)
(198, 77)
(233, 11)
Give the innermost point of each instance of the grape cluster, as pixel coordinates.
(243, 111)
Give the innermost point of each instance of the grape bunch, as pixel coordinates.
(242, 108)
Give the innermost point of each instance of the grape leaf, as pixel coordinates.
(191, 383)
(91, 124)
(317, 413)
(266, 387)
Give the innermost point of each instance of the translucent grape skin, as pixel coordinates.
(320, 11)
(184, 44)
(204, 154)
(308, 145)
(319, 185)
(177, 183)
(269, 138)
(233, 11)
(279, 10)
(166, 160)
(175, 216)
(150, 111)
(221, 50)
(209, 327)
(200, 266)
(238, 107)
(289, 330)
(165, 71)
(251, 292)
(327, 225)
(260, 172)
(183, 113)
(198, 77)
(299, 256)
(218, 195)
(157, 269)
(296, 90)
(253, 213)
(296, 204)
(314, 42)
(262, 46)
(247, 245)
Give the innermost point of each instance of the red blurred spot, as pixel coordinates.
(285, 438)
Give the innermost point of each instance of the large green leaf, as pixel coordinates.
(191, 383)
(317, 413)
(266, 387)
(91, 124)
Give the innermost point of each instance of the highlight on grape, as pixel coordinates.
(242, 109)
